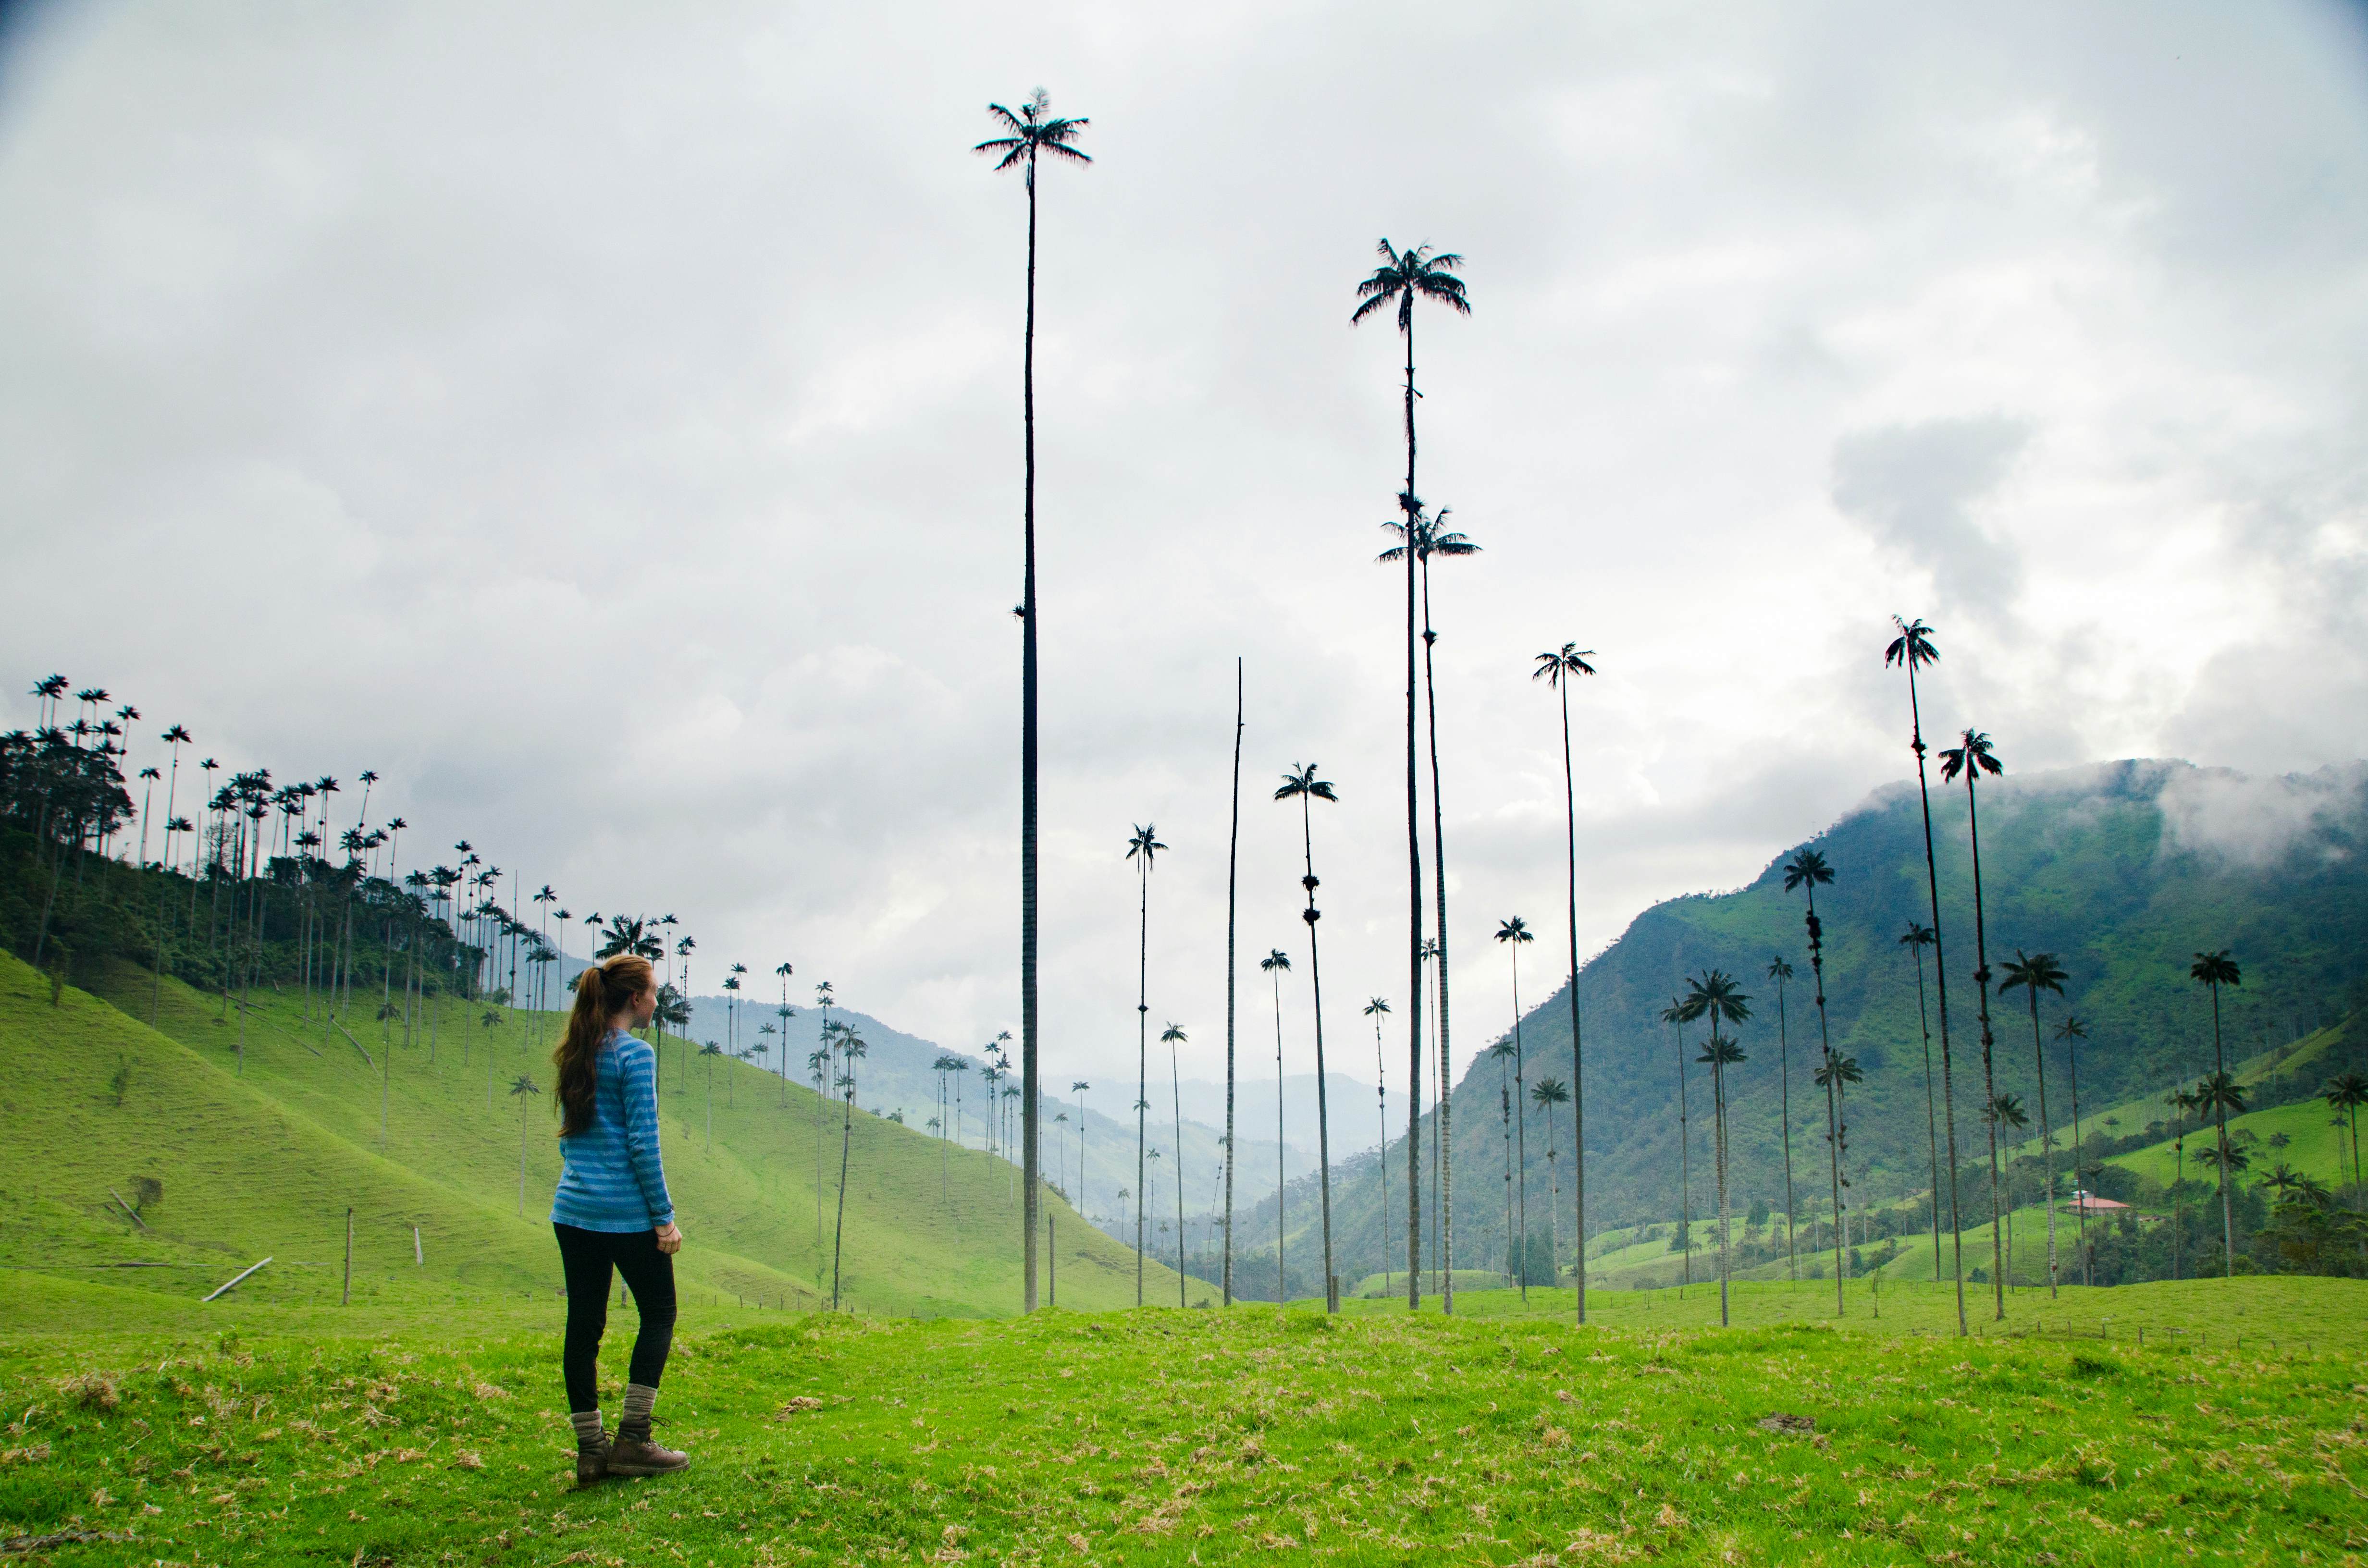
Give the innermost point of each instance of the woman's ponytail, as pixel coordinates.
(602, 991)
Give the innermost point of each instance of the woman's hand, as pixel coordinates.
(669, 1238)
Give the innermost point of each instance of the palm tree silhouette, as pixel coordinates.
(2036, 973)
(1033, 133)
(1233, 883)
(521, 1087)
(1172, 1037)
(1715, 996)
(712, 1050)
(852, 1050)
(1780, 969)
(1078, 1088)
(1972, 758)
(2345, 1093)
(1833, 1075)
(1301, 785)
(1558, 669)
(1426, 536)
(2212, 971)
(1546, 1094)
(1513, 933)
(1674, 1014)
(1910, 650)
(1915, 939)
(1142, 848)
(2183, 1104)
(2071, 1031)
(1502, 1054)
(1807, 870)
(1402, 278)
(1277, 963)
(1375, 1009)
(2006, 1110)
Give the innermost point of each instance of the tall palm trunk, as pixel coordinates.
(1027, 803)
(2220, 1121)
(1175, 1086)
(2080, 1217)
(845, 1141)
(1438, 895)
(1141, 1069)
(1414, 894)
(1381, 1160)
(1578, 1072)
(1322, 1112)
(1281, 1275)
(1685, 1165)
(1932, 1128)
(1940, 997)
(1989, 1079)
(1718, 1127)
(2047, 1137)
(1521, 1128)
(1785, 1112)
(1834, 1168)
(1233, 870)
(1504, 1116)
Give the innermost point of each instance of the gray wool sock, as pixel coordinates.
(638, 1400)
(587, 1423)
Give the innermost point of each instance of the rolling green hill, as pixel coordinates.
(2123, 870)
(263, 1157)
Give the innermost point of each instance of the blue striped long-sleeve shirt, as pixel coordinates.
(613, 1178)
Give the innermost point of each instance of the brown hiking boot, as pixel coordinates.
(591, 1464)
(634, 1453)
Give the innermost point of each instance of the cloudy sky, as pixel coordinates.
(603, 421)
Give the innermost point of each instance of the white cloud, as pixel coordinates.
(605, 423)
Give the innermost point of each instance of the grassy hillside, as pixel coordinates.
(263, 1158)
(1163, 1438)
(2123, 870)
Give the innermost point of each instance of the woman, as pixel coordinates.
(611, 1212)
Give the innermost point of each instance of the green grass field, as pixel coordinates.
(264, 1161)
(264, 1433)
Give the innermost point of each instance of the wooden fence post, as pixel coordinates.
(347, 1298)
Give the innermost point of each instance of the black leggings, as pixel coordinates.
(587, 1256)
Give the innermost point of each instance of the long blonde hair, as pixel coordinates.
(602, 991)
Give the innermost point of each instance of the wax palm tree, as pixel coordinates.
(1301, 785)
(1674, 1014)
(1078, 1088)
(1032, 135)
(1972, 758)
(2006, 1110)
(1915, 939)
(1558, 669)
(2034, 974)
(711, 1050)
(2182, 1106)
(1513, 933)
(2213, 971)
(521, 1087)
(2222, 1096)
(852, 1050)
(1807, 869)
(1546, 1094)
(1402, 277)
(1233, 887)
(1911, 649)
(1833, 1074)
(1502, 1054)
(1277, 963)
(2345, 1093)
(1142, 848)
(1780, 969)
(1375, 1009)
(1716, 997)
(2069, 1033)
(1172, 1037)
